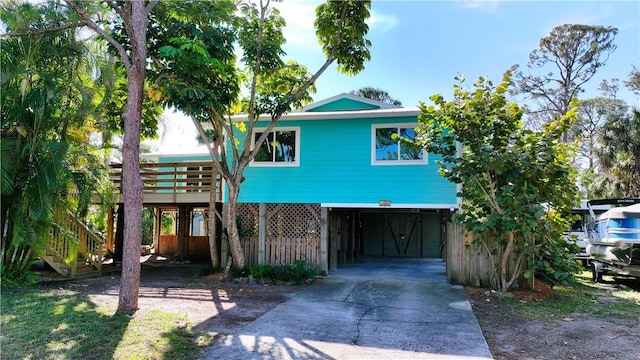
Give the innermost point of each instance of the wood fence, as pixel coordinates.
(468, 263)
(279, 250)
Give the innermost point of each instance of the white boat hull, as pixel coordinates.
(614, 240)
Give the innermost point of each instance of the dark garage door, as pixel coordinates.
(401, 234)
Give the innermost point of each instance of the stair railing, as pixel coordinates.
(88, 246)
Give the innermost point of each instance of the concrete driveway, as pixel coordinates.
(379, 309)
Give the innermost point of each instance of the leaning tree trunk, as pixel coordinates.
(232, 226)
(132, 182)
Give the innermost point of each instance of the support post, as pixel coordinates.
(337, 229)
(183, 231)
(262, 233)
(324, 240)
(157, 229)
(110, 219)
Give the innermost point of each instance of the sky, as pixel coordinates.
(419, 47)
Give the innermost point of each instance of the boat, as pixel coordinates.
(613, 240)
(576, 234)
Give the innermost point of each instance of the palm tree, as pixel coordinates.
(47, 98)
(619, 156)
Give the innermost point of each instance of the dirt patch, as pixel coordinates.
(576, 336)
(212, 305)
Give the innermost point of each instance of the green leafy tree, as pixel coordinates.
(633, 83)
(48, 99)
(618, 156)
(515, 183)
(592, 116)
(376, 94)
(567, 59)
(188, 67)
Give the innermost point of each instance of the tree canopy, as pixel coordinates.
(565, 60)
(376, 94)
(188, 65)
(516, 183)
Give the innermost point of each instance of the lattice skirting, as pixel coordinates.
(292, 233)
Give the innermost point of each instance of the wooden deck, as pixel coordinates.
(174, 183)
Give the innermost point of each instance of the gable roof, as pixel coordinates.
(347, 102)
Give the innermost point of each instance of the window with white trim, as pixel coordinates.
(281, 147)
(388, 148)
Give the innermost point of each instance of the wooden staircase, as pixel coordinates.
(76, 251)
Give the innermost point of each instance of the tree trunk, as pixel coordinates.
(213, 248)
(232, 227)
(132, 182)
(504, 265)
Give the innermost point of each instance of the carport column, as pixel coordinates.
(324, 239)
(262, 233)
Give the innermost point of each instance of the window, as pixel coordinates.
(389, 148)
(281, 148)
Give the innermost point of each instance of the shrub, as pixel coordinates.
(260, 271)
(208, 270)
(297, 272)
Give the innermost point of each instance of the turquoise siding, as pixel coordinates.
(344, 104)
(335, 167)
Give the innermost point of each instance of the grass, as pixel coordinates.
(615, 299)
(62, 324)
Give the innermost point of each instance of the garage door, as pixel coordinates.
(401, 234)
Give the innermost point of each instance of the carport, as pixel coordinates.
(406, 233)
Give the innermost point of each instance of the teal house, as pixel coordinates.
(334, 183)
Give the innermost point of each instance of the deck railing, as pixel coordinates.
(183, 177)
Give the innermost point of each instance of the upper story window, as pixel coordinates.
(281, 148)
(389, 149)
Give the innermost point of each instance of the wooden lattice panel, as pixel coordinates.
(293, 221)
(292, 233)
(249, 213)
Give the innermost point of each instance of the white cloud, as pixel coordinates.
(382, 22)
(299, 16)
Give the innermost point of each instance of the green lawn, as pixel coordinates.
(62, 324)
(614, 299)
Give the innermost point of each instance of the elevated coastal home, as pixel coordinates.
(332, 184)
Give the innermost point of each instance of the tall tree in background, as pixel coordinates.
(273, 86)
(376, 94)
(592, 115)
(618, 149)
(567, 58)
(619, 155)
(633, 83)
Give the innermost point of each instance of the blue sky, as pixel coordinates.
(418, 47)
